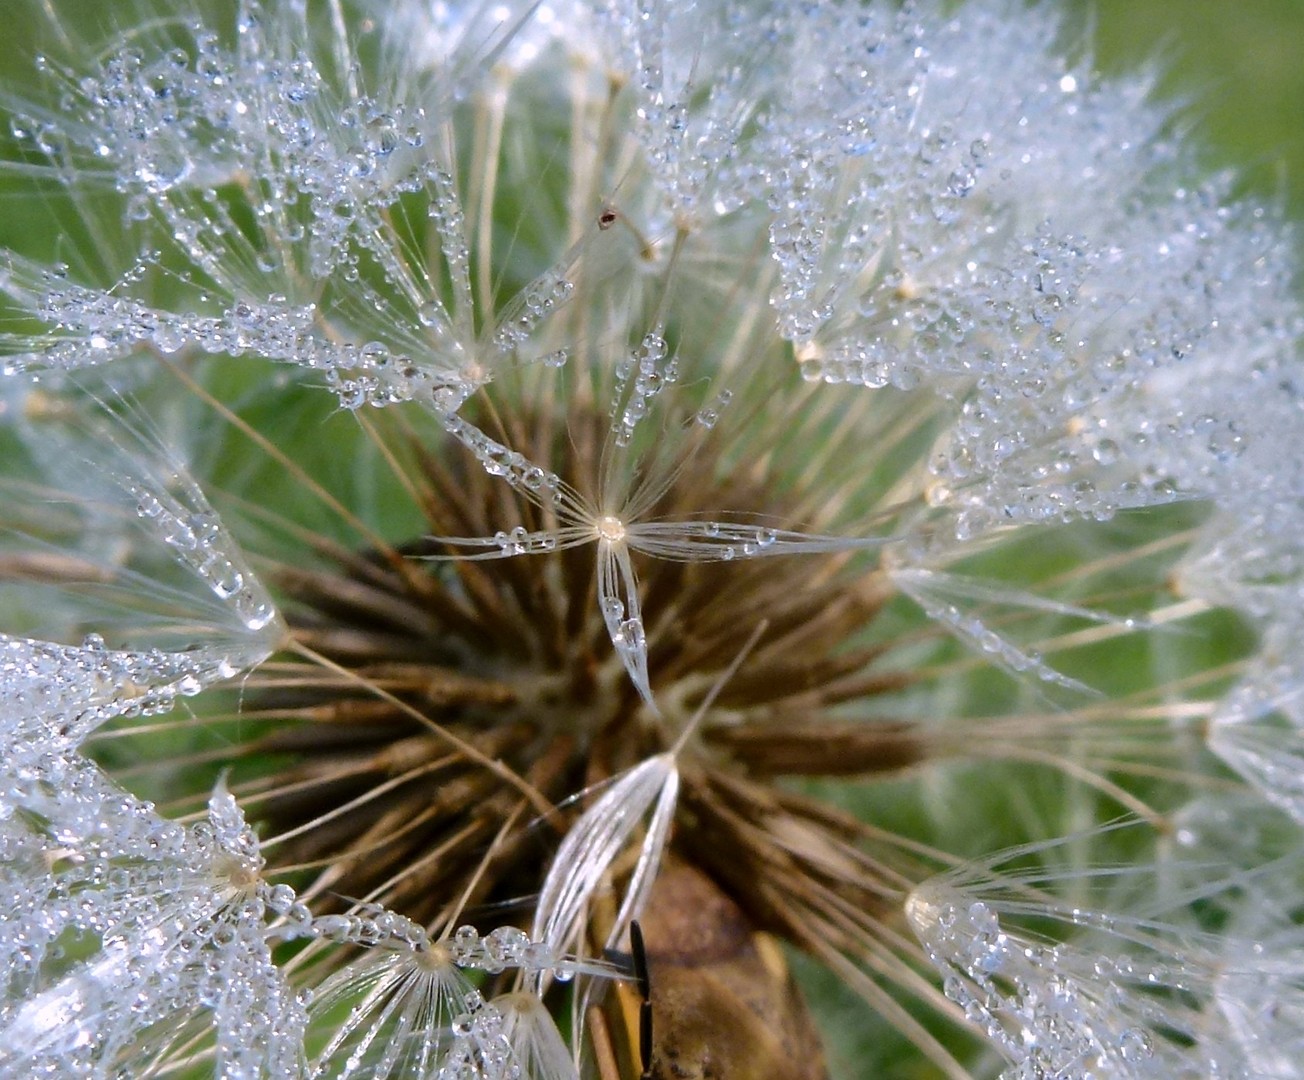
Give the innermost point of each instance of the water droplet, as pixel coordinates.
(1105, 452)
(961, 182)
(1135, 1044)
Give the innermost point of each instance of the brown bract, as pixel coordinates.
(512, 656)
(723, 1001)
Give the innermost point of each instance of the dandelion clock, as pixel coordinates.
(543, 540)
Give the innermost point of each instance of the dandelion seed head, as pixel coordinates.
(481, 474)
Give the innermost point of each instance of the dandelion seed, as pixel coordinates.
(537, 1046)
(586, 856)
(628, 489)
(180, 917)
(1138, 991)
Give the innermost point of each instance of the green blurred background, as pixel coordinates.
(1239, 64)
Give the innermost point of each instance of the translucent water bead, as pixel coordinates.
(505, 947)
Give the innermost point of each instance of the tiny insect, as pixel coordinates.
(711, 996)
(643, 981)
